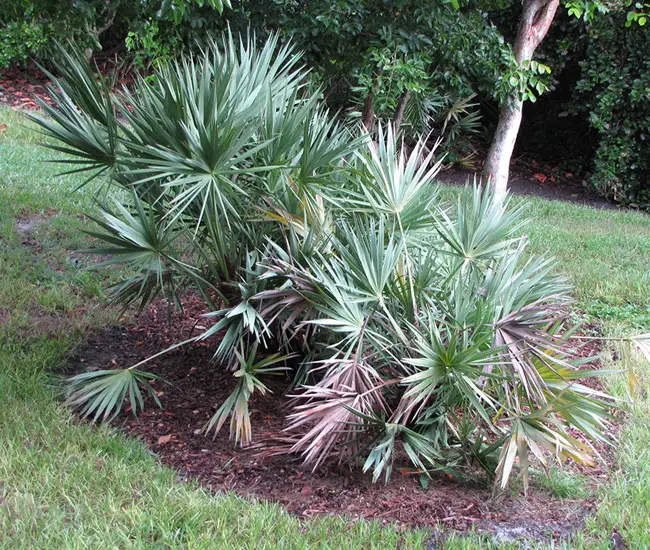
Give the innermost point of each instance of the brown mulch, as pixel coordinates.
(192, 389)
(20, 88)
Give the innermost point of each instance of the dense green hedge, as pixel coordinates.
(615, 93)
(147, 28)
(27, 27)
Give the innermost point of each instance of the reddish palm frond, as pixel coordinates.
(326, 418)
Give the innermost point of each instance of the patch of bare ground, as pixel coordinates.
(36, 322)
(29, 228)
(534, 184)
(26, 227)
(192, 389)
(53, 324)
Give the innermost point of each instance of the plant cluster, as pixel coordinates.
(408, 329)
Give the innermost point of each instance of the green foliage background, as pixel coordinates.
(437, 51)
(614, 91)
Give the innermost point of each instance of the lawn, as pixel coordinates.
(69, 485)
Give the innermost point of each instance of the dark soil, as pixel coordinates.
(192, 389)
(534, 180)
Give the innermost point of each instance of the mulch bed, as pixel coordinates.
(194, 387)
(20, 88)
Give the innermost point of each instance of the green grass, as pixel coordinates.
(64, 484)
(606, 254)
(562, 483)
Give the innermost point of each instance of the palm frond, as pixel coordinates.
(483, 229)
(325, 417)
(146, 243)
(236, 404)
(101, 394)
(398, 186)
(82, 123)
(642, 341)
(241, 321)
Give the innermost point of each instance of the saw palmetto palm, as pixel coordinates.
(420, 323)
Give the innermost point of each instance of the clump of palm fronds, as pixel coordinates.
(418, 328)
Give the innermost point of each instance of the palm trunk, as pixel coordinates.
(535, 22)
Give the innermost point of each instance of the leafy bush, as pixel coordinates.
(357, 49)
(21, 40)
(29, 26)
(615, 92)
(410, 329)
(148, 27)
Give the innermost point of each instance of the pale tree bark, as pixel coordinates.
(535, 21)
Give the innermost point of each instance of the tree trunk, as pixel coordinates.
(535, 21)
(368, 115)
(399, 111)
(497, 165)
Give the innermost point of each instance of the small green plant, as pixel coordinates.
(634, 314)
(55, 299)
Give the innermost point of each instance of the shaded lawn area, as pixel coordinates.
(69, 485)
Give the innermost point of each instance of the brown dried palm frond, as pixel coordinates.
(525, 338)
(326, 417)
(286, 307)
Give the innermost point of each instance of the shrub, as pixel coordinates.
(149, 28)
(416, 329)
(29, 26)
(615, 92)
(21, 40)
